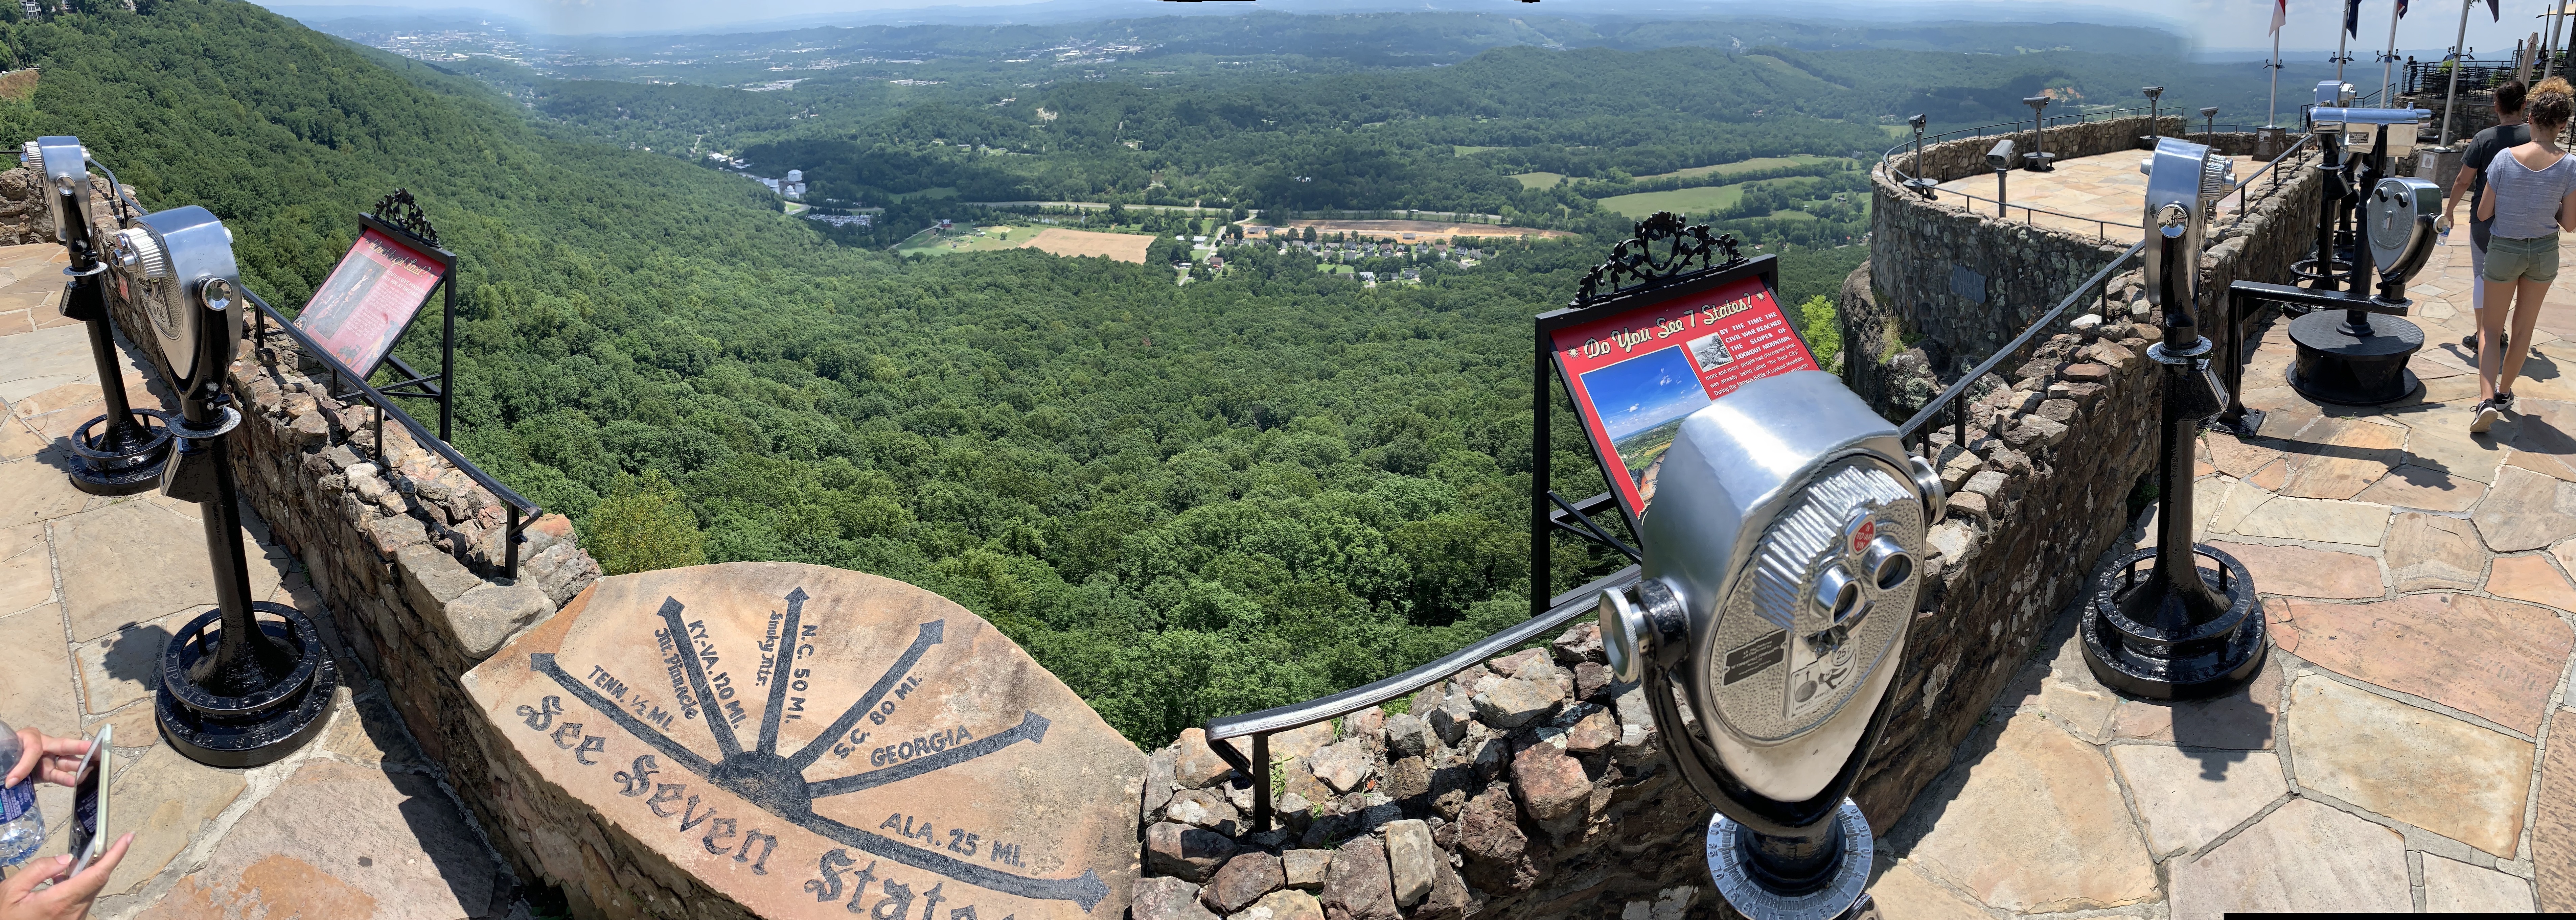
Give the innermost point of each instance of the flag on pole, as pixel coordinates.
(2401, 9)
(2495, 10)
(2281, 13)
(2352, 18)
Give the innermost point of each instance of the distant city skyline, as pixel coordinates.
(2211, 25)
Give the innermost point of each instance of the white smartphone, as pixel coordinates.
(89, 801)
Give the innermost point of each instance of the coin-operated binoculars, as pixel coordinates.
(2000, 159)
(1779, 576)
(122, 451)
(2040, 159)
(2353, 359)
(248, 682)
(2182, 631)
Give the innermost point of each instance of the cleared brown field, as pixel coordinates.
(1124, 247)
(1424, 231)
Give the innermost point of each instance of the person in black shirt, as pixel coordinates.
(2508, 133)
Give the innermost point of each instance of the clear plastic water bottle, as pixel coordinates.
(22, 825)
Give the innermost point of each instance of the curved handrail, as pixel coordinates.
(1261, 725)
(2031, 214)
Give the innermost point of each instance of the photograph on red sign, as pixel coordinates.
(369, 300)
(1636, 373)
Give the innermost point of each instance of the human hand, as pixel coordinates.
(2443, 225)
(47, 759)
(70, 897)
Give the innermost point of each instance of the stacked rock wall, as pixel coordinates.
(1527, 786)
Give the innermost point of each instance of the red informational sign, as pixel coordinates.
(1635, 374)
(369, 300)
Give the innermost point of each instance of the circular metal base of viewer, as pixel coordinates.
(111, 459)
(2338, 364)
(279, 700)
(2172, 659)
(1840, 897)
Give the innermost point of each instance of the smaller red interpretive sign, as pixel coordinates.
(1635, 374)
(369, 300)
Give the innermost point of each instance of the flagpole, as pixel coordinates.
(2342, 36)
(2272, 116)
(2557, 20)
(2459, 58)
(2388, 59)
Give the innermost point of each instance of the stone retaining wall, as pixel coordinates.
(1530, 786)
(1964, 157)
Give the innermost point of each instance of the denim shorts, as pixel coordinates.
(2534, 259)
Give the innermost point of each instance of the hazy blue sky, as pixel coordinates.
(2230, 24)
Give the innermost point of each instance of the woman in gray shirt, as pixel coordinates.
(2531, 195)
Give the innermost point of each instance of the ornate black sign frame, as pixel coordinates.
(398, 216)
(1664, 258)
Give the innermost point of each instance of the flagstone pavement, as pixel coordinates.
(2400, 751)
(2088, 195)
(356, 824)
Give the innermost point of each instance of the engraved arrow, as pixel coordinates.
(544, 663)
(932, 633)
(1032, 727)
(778, 672)
(1086, 889)
(707, 704)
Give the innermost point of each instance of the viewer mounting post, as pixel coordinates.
(2000, 159)
(2155, 120)
(2181, 632)
(1918, 182)
(2040, 159)
(248, 682)
(127, 455)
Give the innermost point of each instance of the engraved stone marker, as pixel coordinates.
(816, 742)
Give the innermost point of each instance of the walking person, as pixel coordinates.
(2531, 196)
(2471, 185)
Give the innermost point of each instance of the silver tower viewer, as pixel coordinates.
(1780, 573)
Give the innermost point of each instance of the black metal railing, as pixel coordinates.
(1917, 429)
(2101, 226)
(2475, 75)
(522, 512)
(1259, 726)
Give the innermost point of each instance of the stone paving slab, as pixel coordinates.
(340, 840)
(2304, 856)
(2553, 835)
(2410, 645)
(2050, 833)
(2410, 764)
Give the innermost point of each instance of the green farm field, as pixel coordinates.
(1743, 166)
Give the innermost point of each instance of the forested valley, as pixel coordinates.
(1185, 500)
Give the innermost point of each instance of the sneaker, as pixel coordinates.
(2484, 416)
(2470, 342)
(2504, 401)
